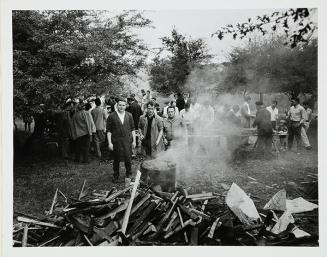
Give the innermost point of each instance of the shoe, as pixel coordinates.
(308, 147)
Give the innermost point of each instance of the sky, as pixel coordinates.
(197, 24)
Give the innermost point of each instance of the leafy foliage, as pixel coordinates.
(269, 66)
(58, 54)
(283, 20)
(169, 74)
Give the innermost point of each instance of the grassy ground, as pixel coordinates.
(35, 181)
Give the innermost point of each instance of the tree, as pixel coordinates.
(299, 19)
(68, 53)
(169, 74)
(269, 66)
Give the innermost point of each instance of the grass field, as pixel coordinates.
(35, 181)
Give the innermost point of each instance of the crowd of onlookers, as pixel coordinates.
(138, 121)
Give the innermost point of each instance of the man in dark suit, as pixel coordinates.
(135, 109)
(121, 138)
(263, 123)
(180, 102)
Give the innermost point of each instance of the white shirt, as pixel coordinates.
(246, 104)
(273, 113)
(187, 116)
(207, 116)
(121, 117)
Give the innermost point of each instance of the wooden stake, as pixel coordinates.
(24, 241)
(129, 207)
(82, 189)
(54, 201)
(49, 241)
(87, 240)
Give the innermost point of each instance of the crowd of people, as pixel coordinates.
(126, 124)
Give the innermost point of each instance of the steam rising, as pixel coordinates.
(206, 149)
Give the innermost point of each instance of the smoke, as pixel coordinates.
(209, 145)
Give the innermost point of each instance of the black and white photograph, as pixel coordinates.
(165, 127)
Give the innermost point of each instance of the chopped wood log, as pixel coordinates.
(106, 232)
(203, 198)
(199, 195)
(213, 228)
(179, 228)
(174, 196)
(194, 236)
(120, 208)
(32, 221)
(24, 241)
(115, 195)
(143, 228)
(167, 215)
(144, 215)
(151, 228)
(182, 223)
(199, 213)
(104, 243)
(188, 212)
(163, 194)
(173, 217)
(140, 203)
(128, 210)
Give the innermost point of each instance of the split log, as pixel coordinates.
(199, 195)
(24, 241)
(32, 221)
(128, 210)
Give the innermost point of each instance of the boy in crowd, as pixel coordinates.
(282, 129)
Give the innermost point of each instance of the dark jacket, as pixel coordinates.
(136, 111)
(180, 103)
(263, 122)
(121, 135)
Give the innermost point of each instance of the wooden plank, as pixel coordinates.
(87, 240)
(140, 203)
(53, 201)
(24, 241)
(115, 195)
(173, 217)
(182, 223)
(203, 198)
(27, 220)
(49, 241)
(129, 207)
(82, 189)
(120, 208)
(199, 213)
(198, 195)
(179, 228)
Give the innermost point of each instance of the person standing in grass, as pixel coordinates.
(263, 123)
(173, 127)
(297, 117)
(99, 118)
(121, 138)
(82, 129)
(151, 131)
(274, 114)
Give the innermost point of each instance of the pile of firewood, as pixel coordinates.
(141, 215)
